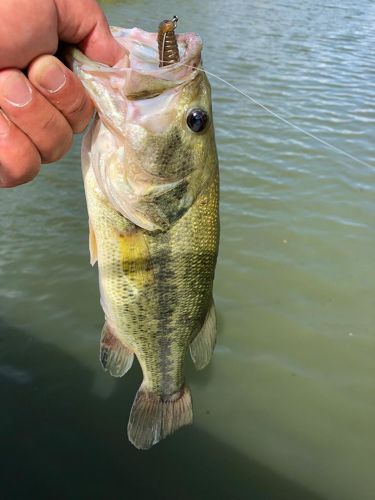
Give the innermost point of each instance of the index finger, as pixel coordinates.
(85, 24)
(62, 89)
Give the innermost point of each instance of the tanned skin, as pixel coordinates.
(42, 103)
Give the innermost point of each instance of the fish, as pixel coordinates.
(151, 179)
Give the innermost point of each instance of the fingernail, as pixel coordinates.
(4, 125)
(16, 90)
(52, 78)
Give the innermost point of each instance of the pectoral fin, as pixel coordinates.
(135, 258)
(202, 346)
(114, 356)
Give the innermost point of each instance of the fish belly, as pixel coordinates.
(156, 288)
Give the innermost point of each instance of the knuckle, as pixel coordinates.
(15, 177)
(50, 123)
(79, 106)
(60, 139)
(79, 113)
(6, 182)
(57, 149)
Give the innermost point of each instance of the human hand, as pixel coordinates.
(43, 105)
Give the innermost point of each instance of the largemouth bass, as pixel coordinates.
(151, 180)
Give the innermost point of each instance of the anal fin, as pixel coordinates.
(202, 346)
(115, 357)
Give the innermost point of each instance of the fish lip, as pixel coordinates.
(190, 57)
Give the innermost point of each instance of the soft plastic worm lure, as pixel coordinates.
(168, 49)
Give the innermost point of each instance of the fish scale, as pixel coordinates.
(167, 297)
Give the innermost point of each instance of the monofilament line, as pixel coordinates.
(284, 120)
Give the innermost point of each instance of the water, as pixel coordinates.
(287, 408)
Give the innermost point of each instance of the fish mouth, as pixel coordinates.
(144, 61)
(145, 55)
(139, 75)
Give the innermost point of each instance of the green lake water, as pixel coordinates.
(286, 410)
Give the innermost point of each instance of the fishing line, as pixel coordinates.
(284, 120)
(276, 115)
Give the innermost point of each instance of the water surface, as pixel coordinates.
(287, 408)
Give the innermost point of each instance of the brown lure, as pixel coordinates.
(168, 48)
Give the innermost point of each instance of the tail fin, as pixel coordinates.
(114, 356)
(153, 418)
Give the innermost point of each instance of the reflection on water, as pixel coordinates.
(70, 442)
(286, 409)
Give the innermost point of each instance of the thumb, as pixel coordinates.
(83, 23)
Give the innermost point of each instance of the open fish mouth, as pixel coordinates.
(144, 147)
(153, 62)
(164, 52)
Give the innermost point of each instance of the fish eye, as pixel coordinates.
(197, 120)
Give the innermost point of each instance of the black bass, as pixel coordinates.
(151, 180)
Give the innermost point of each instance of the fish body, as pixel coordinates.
(152, 190)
